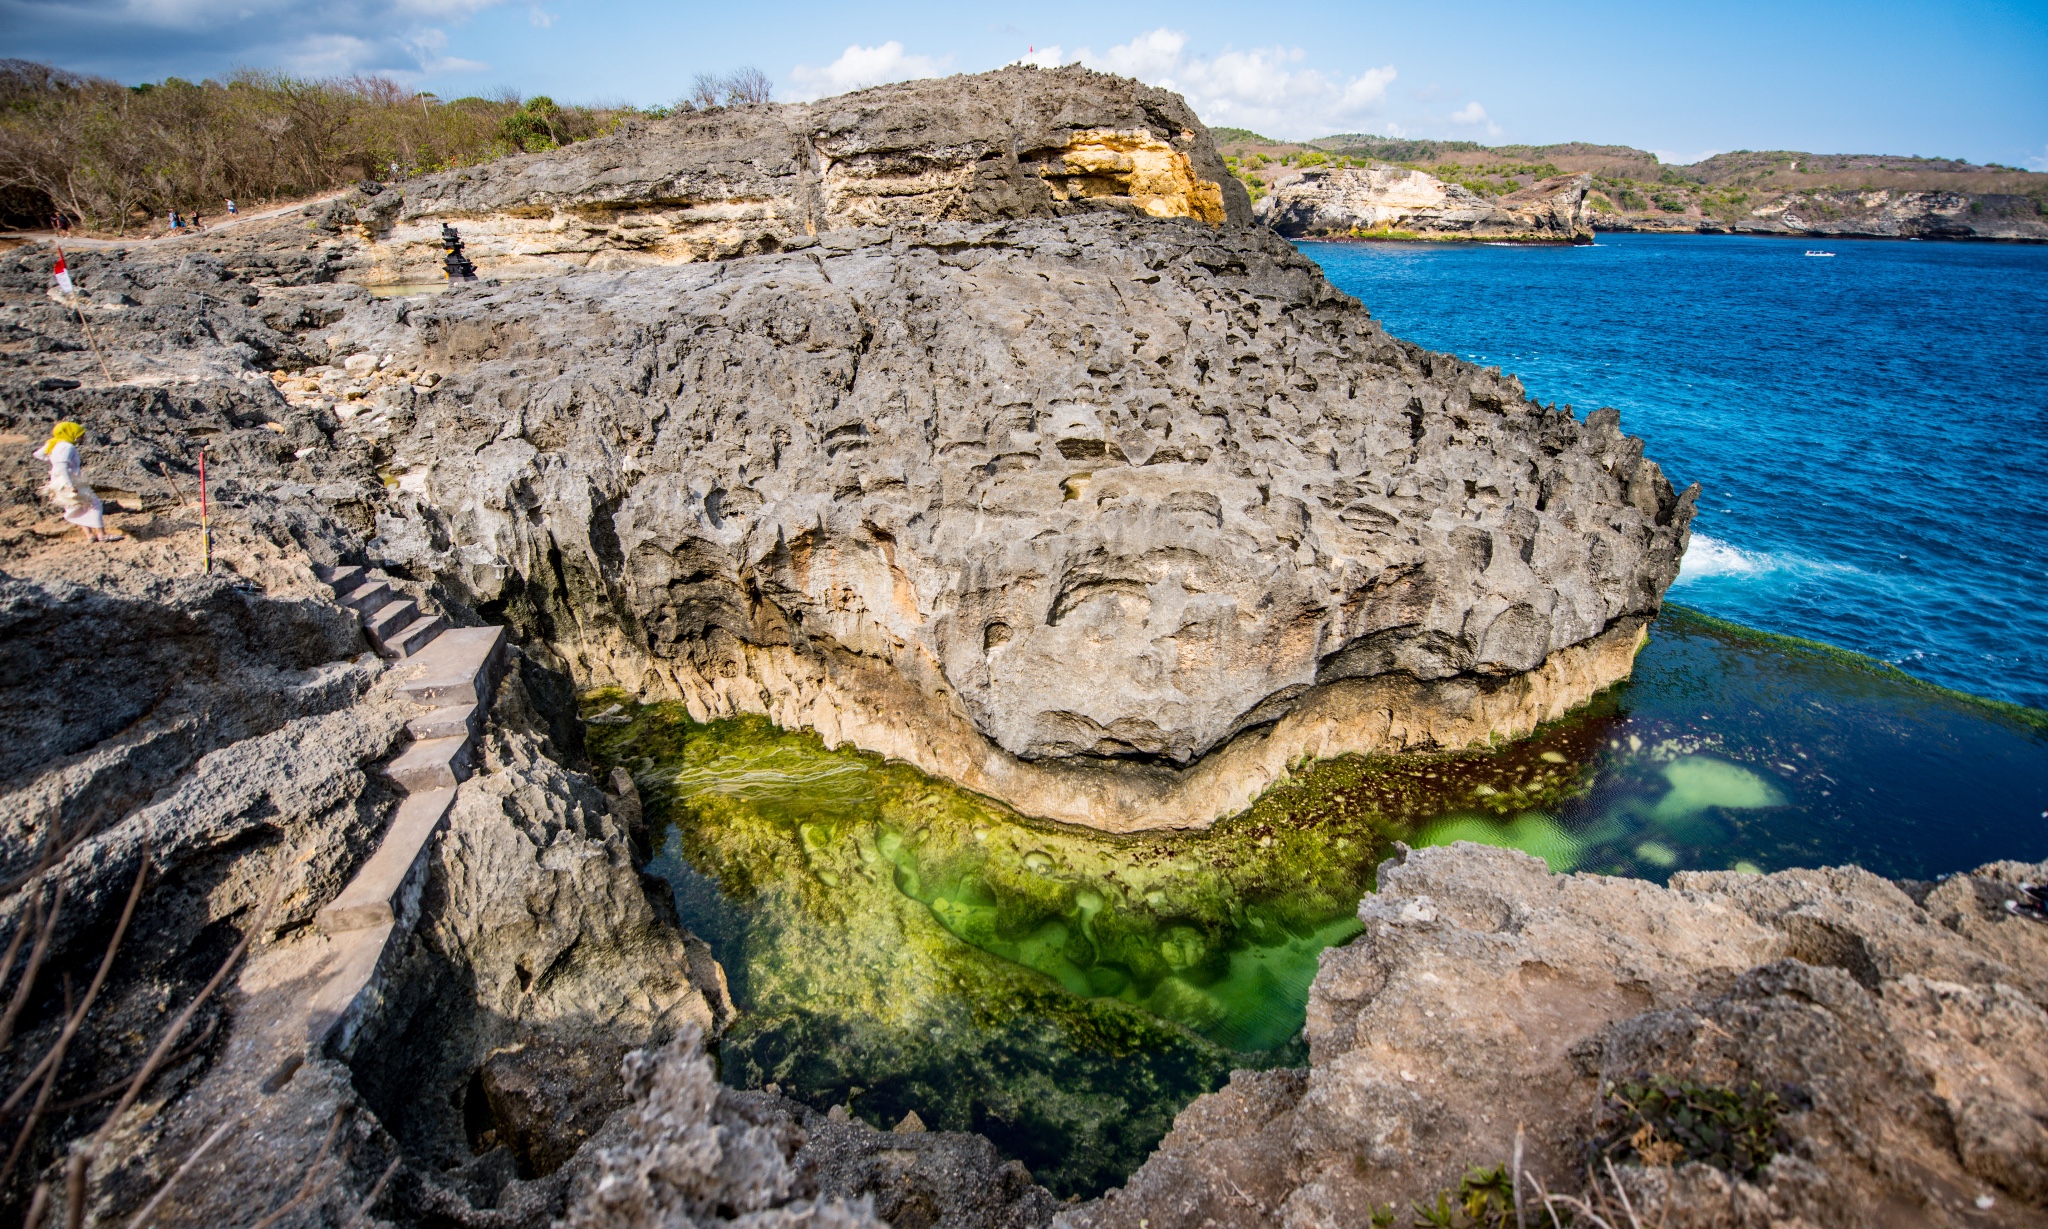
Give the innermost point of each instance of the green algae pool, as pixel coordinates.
(897, 944)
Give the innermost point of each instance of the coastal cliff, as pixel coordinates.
(1318, 187)
(1169, 514)
(1391, 202)
(1036, 465)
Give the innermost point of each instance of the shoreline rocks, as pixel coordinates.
(1390, 202)
(1898, 1027)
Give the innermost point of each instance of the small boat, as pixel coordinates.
(1811, 252)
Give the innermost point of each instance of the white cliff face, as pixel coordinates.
(1351, 201)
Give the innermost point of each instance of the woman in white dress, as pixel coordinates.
(80, 506)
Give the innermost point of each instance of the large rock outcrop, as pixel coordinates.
(1893, 1032)
(962, 452)
(1018, 143)
(1108, 518)
(1384, 200)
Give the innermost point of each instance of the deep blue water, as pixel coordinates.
(1870, 431)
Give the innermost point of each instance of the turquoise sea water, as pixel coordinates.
(1870, 430)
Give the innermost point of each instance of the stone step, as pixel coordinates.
(459, 667)
(342, 579)
(431, 763)
(377, 895)
(367, 596)
(454, 721)
(415, 636)
(390, 617)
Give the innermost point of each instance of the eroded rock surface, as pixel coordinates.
(1018, 143)
(1055, 509)
(1342, 202)
(1904, 1037)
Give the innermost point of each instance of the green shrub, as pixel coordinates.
(1664, 1121)
(1485, 1199)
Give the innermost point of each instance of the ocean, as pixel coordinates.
(1869, 430)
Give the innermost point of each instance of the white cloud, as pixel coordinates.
(859, 67)
(2040, 163)
(1472, 115)
(1269, 89)
(145, 39)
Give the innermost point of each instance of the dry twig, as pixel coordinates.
(47, 926)
(53, 1058)
(370, 1200)
(307, 1187)
(205, 1145)
(81, 1158)
(38, 1207)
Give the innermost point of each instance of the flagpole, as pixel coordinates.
(205, 531)
(63, 276)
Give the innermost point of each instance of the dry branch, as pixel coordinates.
(135, 1221)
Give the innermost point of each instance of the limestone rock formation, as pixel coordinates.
(1340, 202)
(1108, 513)
(731, 181)
(1899, 1027)
(1061, 510)
(1847, 213)
(961, 452)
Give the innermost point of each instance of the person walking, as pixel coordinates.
(231, 206)
(77, 501)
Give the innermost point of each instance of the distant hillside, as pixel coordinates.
(1771, 191)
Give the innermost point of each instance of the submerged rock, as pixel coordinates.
(1392, 202)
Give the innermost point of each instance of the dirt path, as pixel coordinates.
(20, 238)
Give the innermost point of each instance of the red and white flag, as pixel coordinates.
(63, 275)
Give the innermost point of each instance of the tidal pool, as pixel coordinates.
(897, 944)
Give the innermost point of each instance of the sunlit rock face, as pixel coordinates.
(732, 181)
(1384, 199)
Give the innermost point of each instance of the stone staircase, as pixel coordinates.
(392, 621)
(450, 675)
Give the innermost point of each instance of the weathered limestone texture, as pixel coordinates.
(1487, 994)
(1339, 202)
(1018, 143)
(1053, 508)
(690, 1152)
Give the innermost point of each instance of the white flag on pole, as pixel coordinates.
(63, 275)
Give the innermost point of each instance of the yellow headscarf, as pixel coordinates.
(62, 433)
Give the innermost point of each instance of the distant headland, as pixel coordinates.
(1363, 186)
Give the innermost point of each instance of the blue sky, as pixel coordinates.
(1952, 80)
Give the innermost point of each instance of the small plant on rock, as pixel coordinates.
(1665, 1121)
(1485, 1199)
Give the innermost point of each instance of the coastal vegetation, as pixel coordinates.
(113, 157)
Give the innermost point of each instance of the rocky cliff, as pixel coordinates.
(1107, 514)
(1392, 202)
(1809, 1048)
(1110, 519)
(739, 181)
(1847, 213)
(993, 437)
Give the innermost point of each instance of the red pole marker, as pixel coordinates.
(205, 533)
